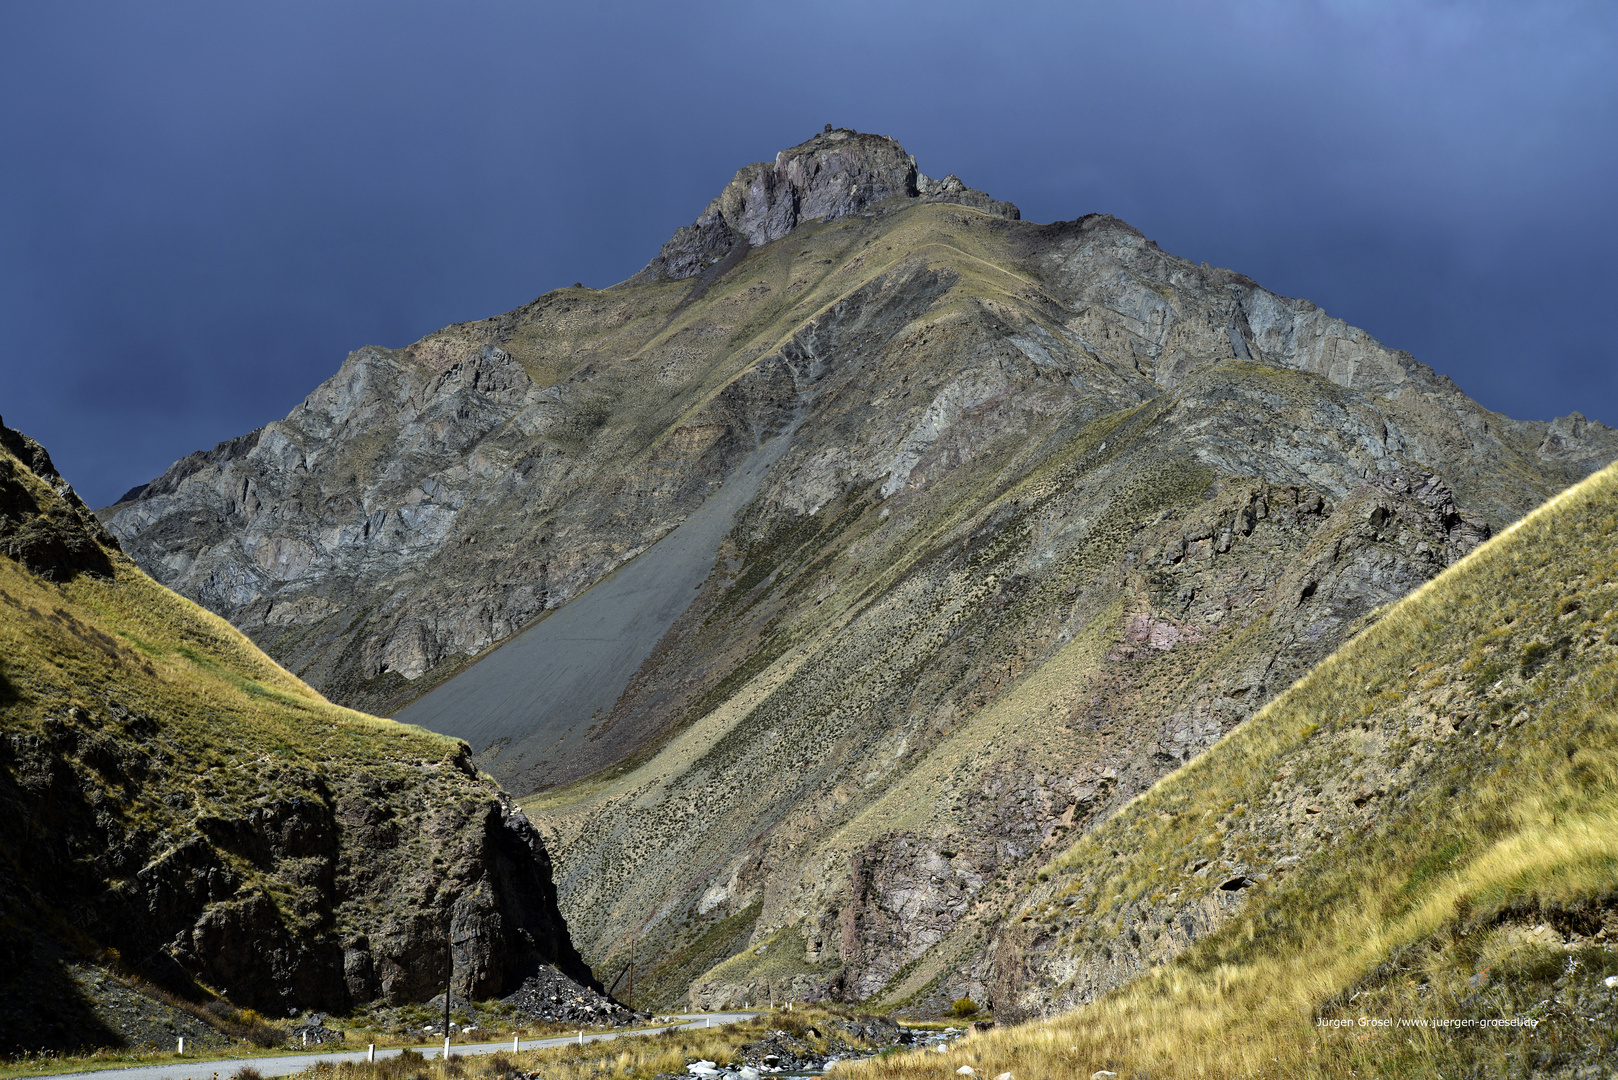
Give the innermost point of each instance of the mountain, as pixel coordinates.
(176, 808)
(849, 559)
(1402, 866)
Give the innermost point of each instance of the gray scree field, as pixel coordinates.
(535, 697)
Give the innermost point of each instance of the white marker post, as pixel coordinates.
(446, 1047)
(581, 1036)
(370, 1053)
(514, 1044)
(181, 1050)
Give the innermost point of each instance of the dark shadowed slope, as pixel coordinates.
(177, 807)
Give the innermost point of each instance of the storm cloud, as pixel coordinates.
(203, 207)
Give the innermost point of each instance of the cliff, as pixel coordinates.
(177, 808)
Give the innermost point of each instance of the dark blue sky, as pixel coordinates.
(204, 206)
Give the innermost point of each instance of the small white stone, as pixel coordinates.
(1005, 1076)
(1610, 982)
(966, 1070)
(1103, 1074)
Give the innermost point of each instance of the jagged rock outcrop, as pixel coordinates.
(836, 173)
(174, 806)
(55, 536)
(1220, 609)
(383, 871)
(1445, 744)
(1050, 511)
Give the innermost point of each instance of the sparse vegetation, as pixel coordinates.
(1477, 879)
(948, 671)
(146, 746)
(387, 1028)
(633, 1057)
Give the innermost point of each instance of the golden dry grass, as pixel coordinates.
(159, 713)
(632, 1057)
(90, 640)
(1487, 697)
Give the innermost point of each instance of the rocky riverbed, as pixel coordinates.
(814, 1048)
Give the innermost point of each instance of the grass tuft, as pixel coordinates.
(1419, 839)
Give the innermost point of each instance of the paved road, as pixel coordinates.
(292, 1063)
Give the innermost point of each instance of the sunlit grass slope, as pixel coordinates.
(1419, 838)
(71, 644)
(226, 712)
(161, 780)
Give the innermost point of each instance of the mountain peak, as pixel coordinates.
(837, 172)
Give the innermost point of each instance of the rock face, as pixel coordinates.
(1325, 808)
(363, 924)
(176, 807)
(1053, 511)
(834, 174)
(54, 536)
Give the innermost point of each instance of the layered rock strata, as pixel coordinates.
(1054, 510)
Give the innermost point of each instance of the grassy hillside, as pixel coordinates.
(930, 693)
(1054, 510)
(1405, 865)
(176, 808)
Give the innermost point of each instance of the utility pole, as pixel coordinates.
(449, 976)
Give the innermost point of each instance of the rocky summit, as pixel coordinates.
(824, 580)
(179, 816)
(832, 175)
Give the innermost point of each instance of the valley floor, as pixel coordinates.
(289, 1064)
